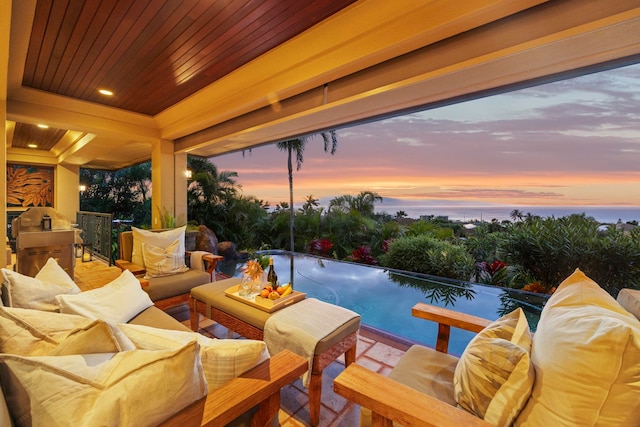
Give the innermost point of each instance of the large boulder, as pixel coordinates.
(206, 240)
(228, 250)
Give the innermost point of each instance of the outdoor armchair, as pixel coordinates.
(582, 367)
(171, 286)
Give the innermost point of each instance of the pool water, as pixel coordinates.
(384, 297)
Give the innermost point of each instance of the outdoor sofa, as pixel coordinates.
(109, 357)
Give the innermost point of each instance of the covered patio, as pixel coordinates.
(110, 84)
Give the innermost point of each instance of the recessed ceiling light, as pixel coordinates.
(105, 92)
(32, 145)
(43, 126)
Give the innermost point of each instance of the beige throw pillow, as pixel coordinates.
(163, 261)
(586, 353)
(131, 388)
(222, 360)
(116, 302)
(161, 239)
(38, 333)
(494, 376)
(38, 292)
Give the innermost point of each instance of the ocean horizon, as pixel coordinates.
(603, 214)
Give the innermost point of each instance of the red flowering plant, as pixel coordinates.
(363, 256)
(321, 247)
(494, 273)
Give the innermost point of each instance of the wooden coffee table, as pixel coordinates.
(210, 301)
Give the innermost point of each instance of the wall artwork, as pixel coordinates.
(29, 185)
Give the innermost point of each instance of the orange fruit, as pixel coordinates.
(274, 295)
(265, 293)
(280, 290)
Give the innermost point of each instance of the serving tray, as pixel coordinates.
(266, 304)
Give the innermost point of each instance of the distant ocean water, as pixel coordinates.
(604, 214)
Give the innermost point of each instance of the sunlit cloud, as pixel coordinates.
(569, 142)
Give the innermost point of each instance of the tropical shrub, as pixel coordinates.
(430, 228)
(551, 249)
(428, 255)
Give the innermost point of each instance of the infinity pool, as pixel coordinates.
(384, 297)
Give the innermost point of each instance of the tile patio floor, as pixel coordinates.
(375, 352)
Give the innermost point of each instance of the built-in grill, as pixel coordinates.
(37, 240)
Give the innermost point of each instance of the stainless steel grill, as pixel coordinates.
(35, 246)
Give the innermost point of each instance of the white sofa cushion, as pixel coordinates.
(222, 359)
(163, 261)
(116, 302)
(161, 239)
(494, 376)
(132, 388)
(586, 353)
(38, 292)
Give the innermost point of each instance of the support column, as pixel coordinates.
(5, 32)
(162, 181)
(3, 169)
(181, 183)
(67, 191)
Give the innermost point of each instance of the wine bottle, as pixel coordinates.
(272, 277)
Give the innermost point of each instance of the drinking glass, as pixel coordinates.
(245, 287)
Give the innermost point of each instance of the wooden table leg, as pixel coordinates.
(194, 316)
(315, 394)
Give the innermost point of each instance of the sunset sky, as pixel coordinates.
(574, 142)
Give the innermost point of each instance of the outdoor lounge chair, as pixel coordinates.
(172, 289)
(583, 368)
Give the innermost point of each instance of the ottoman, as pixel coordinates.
(210, 301)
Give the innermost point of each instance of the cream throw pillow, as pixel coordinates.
(116, 302)
(132, 388)
(39, 333)
(586, 353)
(161, 239)
(494, 376)
(163, 261)
(38, 292)
(222, 360)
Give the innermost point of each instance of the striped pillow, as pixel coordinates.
(494, 376)
(222, 359)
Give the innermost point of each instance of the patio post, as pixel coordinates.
(162, 180)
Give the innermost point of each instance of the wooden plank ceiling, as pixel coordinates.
(153, 53)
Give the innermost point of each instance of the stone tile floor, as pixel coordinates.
(376, 352)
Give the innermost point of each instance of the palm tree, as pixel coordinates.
(363, 203)
(516, 214)
(207, 189)
(310, 204)
(298, 145)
